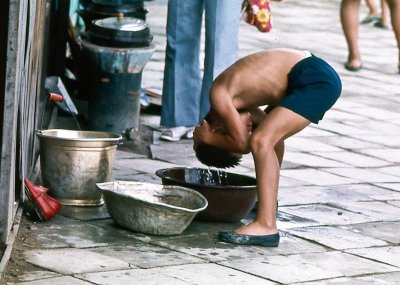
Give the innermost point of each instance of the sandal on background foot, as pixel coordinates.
(176, 133)
(352, 68)
(381, 25)
(370, 18)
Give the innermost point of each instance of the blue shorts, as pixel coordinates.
(313, 88)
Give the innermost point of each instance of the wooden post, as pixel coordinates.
(23, 87)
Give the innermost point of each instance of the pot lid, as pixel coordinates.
(122, 23)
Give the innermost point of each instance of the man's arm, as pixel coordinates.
(235, 134)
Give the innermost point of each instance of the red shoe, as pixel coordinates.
(45, 206)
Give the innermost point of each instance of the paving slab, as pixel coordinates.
(119, 170)
(349, 143)
(36, 275)
(375, 209)
(378, 279)
(364, 175)
(377, 127)
(195, 228)
(364, 192)
(211, 249)
(64, 280)
(121, 155)
(336, 238)
(308, 267)
(147, 256)
(311, 160)
(309, 144)
(392, 155)
(387, 231)
(376, 113)
(172, 150)
(378, 139)
(201, 274)
(315, 131)
(392, 170)
(288, 221)
(338, 115)
(317, 177)
(147, 165)
(143, 177)
(69, 260)
(353, 159)
(78, 234)
(392, 186)
(344, 129)
(290, 182)
(386, 254)
(327, 215)
(394, 203)
(327, 194)
(110, 225)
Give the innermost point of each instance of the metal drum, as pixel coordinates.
(72, 162)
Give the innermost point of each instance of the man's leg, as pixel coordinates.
(349, 18)
(267, 149)
(385, 14)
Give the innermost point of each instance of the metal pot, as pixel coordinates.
(100, 9)
(120, 31)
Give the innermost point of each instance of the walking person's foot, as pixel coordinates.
(353, 65)
(382, 25)
(370, 18)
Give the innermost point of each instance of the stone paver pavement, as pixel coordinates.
(339, 201)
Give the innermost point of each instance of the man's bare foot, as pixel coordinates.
(256, 229)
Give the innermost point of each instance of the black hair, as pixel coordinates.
(216, 157)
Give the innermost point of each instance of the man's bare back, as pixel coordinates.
(259, 79)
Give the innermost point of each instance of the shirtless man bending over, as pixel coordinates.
(298, 88)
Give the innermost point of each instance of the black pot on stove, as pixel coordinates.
(120, 31)
(100, 9)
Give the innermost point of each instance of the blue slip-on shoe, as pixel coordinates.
(233, 237)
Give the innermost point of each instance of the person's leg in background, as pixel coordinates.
(394, 7)
(373, 12)
(182, 79)
(384, 21)
(349, 10)
(222, 20)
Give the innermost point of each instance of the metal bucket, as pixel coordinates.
(72, 162)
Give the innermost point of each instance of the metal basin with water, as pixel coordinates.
(151, 208)
(72, 162)
(230, 196)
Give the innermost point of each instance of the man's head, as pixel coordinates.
(212, 155)
(216, 157)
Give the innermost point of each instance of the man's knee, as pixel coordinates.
(262, 141)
